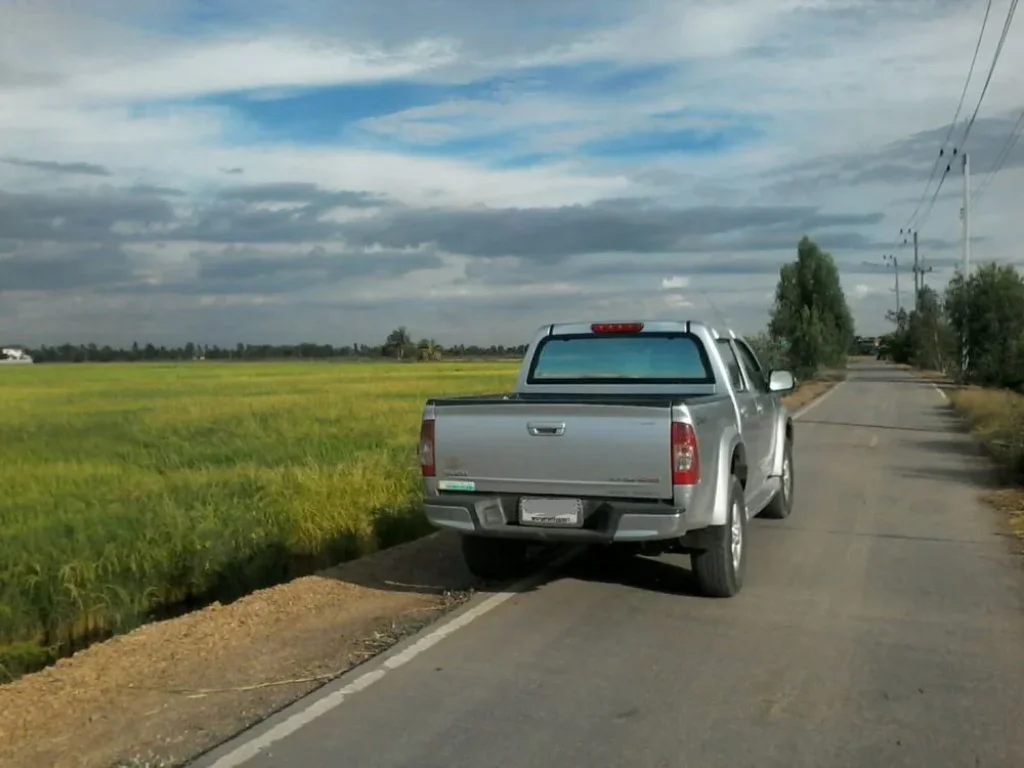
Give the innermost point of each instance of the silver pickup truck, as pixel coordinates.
(651, 436)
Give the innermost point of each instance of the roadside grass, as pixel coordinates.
(995, 418)
(137, 492)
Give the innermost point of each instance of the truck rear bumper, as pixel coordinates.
(604, 521)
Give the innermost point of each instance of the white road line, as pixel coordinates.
(321, 706)
(819, 401)
(941, 392)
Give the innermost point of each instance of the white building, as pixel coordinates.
(10, 355)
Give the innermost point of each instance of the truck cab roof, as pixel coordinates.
(646, 326)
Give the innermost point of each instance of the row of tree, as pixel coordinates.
(973, 331)
(810, 327)
(425, 349)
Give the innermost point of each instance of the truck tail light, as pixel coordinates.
(685, 455)
(426, 450)
(616, 327)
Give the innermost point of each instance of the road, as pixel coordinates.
(880, 626)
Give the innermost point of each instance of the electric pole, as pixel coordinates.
(920, 270)
(891, 258)
(918, 277)
(966, 215)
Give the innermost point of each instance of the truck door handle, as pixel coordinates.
(546, 430)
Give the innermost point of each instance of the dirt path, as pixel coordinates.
(170, 690)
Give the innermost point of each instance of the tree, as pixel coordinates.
(986, 316)
(810, 311)
(770, 352)
(429, 349)
(398, 343)
(929, 337)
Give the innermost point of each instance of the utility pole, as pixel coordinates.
(966, 215)
(918, 277)
(891, 258)
(888, 259)
(920, 270)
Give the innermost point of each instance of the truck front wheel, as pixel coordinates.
(782, 503)
(721, 567)
(494, 559)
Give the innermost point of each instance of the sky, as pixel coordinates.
(241, 170)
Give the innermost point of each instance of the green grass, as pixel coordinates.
(133, 489)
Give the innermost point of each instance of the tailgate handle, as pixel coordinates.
(546, 430)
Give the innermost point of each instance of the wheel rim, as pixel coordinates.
(787, 479)
(737, 536)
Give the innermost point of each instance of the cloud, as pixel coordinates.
(604, 227)
(257, 171)
(57, 268)
(676, 281)
(156, 190)
(914, 156)
(79, 218)
(238, 272)
(293, 192)
(85, 169)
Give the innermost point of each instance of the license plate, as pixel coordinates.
(565, 513)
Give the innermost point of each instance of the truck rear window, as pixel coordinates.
(641, 358)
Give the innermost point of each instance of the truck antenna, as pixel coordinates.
(718, 313)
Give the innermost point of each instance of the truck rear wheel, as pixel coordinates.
(494, 559)
(782, 502)
(722, 566)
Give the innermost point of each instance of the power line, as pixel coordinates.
(991, 69)
(970, 123)
(956, 116)
(1004, 153)
(935, 196)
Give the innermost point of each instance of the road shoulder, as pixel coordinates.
(995, 420)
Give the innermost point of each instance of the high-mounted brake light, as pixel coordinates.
(426, 450)
(617, 327)
(685, 455)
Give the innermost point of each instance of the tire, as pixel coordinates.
(494, 559)
(782, 502)
(719, 573)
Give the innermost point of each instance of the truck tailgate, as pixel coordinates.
(579, 449)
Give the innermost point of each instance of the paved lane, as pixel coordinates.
(880, 626)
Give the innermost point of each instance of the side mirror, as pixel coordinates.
(780, 381)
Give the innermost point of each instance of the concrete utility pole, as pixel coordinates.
(966, 215)
(917, 272)
(891, 258)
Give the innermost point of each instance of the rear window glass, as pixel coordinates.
(628, 358)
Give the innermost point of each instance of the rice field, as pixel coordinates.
(127, 491)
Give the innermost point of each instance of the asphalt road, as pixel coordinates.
(880, 626)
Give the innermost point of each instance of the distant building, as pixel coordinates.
(13, 355)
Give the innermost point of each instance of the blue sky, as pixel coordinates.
(471, 168)
(348, 115)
